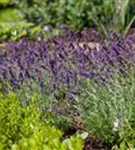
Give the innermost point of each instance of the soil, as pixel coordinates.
(90, 143)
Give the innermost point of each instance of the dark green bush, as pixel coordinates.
(73, 13)
(78, 14)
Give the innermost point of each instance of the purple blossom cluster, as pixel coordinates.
(67, 59)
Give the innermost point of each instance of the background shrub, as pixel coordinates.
(59, 14)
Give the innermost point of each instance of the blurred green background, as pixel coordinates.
(34, 18)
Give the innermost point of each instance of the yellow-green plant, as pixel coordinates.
(23, 128)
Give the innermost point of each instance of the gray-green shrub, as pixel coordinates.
(101, 106)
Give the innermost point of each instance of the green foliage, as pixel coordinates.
(45, 100)
(78, 14)
(8, 3)
(22, 127)
(10, 15)
(58, 106)
(123, 18)
(12, 25)
(18, 30)
(27, 89)
(15, 30)
(101, 106)
(4, 87)
(73, 13)
(4, 2)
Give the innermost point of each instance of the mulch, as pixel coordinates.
(92, 143)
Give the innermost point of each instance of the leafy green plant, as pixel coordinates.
(14, 30)
(109, 111)
(117, 15)
(22, 127)
(73, 13)
(76, 14)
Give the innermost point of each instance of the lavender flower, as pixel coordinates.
(64, 61)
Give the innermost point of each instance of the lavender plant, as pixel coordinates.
(108, 111)
(64, 60)
(55, 68)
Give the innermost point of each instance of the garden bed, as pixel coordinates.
(67, 75)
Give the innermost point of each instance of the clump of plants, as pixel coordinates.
(25, 127)
(78, 14)
(78, 75)
(58, 15)
(79, 80)
(62, 61)
(108, 110)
